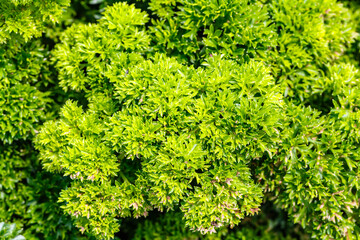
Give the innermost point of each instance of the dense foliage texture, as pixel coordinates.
(240, 114)
(10, 232)
(165, 121)
(24, 19)
(28, 97)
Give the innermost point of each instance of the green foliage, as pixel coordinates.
(353, 53)
(170, 226)
(24, 19)
(92, 51)
(208, 110)
(313, 182)
(166, 119)
(295, 37)
(22, 105)
(310, 35)
(29, 197)
(191, 30)
(315, 174)
(10, 232)
(159, 134)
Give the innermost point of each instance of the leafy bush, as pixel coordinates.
(28, 97)
(210, 110)
(28, 197)
(164, 117)
(22, 105)
(267, 225)
(353, 53)
(24, 19)
(295, 37)
(10, 232)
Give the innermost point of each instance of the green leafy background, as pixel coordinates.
(176, 119)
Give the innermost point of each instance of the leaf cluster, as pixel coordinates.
(189, 131)
(204, 109)
(10, 232)
(21, 20)
(164, 116)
